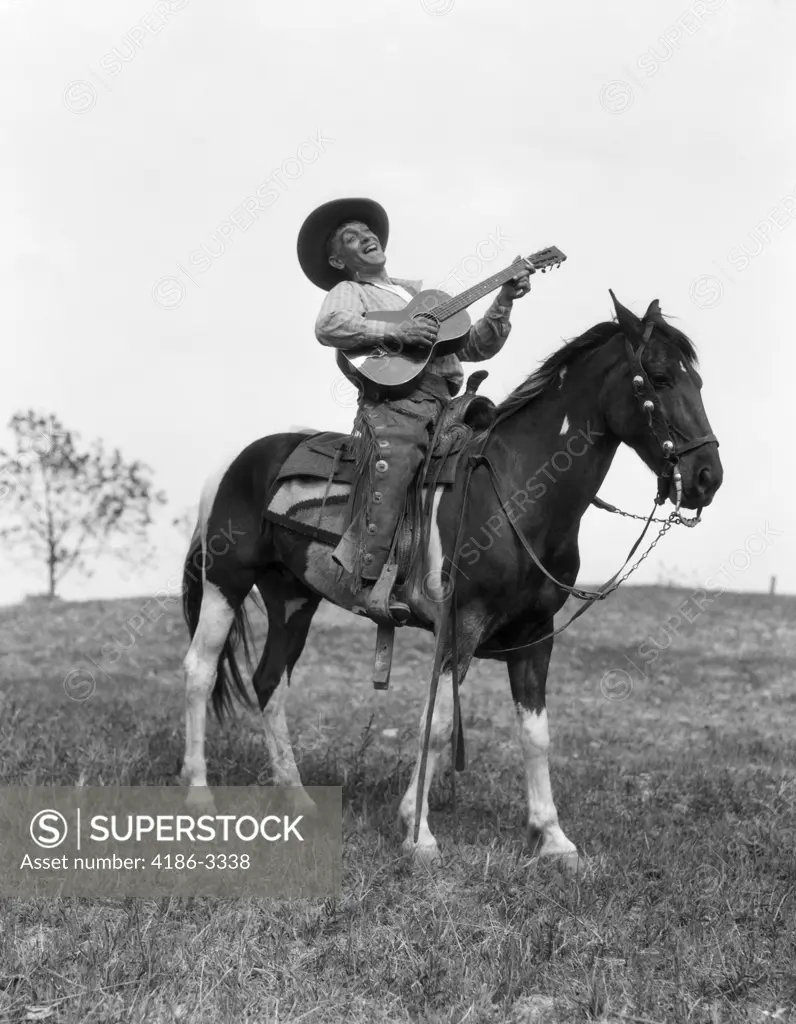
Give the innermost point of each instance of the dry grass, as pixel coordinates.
(682, 796)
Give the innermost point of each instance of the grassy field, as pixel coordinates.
(680, 787)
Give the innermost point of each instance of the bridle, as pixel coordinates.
(646, 396)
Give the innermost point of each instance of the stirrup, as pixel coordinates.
(379, 603)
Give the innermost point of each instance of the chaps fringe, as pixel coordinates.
(363, 449)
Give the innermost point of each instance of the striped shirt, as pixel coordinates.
(341, 324)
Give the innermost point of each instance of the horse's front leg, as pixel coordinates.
(528, 677)
(426, 848)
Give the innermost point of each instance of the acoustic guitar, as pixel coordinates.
(391, 371)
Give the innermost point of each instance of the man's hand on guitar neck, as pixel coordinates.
(515, 288)
(421, 333)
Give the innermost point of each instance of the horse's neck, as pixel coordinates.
(559, 441)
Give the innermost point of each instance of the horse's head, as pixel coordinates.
(655, 406)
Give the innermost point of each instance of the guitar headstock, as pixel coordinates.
(544, 259)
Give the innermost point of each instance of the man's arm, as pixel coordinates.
(341, 322)
(488, 335)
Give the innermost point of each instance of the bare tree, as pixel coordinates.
(66, 507)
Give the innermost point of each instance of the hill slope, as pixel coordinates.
(676, 776)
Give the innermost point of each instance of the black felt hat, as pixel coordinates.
(321, 223)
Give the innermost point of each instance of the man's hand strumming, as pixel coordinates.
(416, 333)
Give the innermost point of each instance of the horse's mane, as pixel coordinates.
(551, 369)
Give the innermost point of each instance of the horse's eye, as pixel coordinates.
(660, 382)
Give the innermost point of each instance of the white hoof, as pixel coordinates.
(554, 846)
(422, 853)
(201, 799)
(301, 802)
(571, 862)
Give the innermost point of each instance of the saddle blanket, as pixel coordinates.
(297, 497)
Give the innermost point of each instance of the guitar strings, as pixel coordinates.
(455, 304)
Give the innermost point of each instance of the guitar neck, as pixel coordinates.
(478, 291)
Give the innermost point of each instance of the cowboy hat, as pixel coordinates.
(320, 224)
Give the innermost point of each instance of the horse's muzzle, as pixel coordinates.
(702, 475)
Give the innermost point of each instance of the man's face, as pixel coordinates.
(356, 248)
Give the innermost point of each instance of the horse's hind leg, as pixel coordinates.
(200, 667)
(290, 607)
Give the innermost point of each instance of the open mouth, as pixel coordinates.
(370, 247)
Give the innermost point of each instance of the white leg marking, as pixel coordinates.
(564, 427)
(200, 665)
(542, 813)
(436, 580)
(280, 749)
(277, 738)
(441, 727)
(292, 606)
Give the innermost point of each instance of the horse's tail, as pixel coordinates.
(239, 633)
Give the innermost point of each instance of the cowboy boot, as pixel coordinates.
(371, 598)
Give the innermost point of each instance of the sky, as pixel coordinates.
(159, 160)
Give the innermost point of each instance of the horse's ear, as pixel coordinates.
(654, 312)
(628, 321)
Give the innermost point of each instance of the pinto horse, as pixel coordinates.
(541, 463)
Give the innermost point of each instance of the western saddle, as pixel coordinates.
(325, 456)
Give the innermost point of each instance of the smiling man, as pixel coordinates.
(341, 250)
